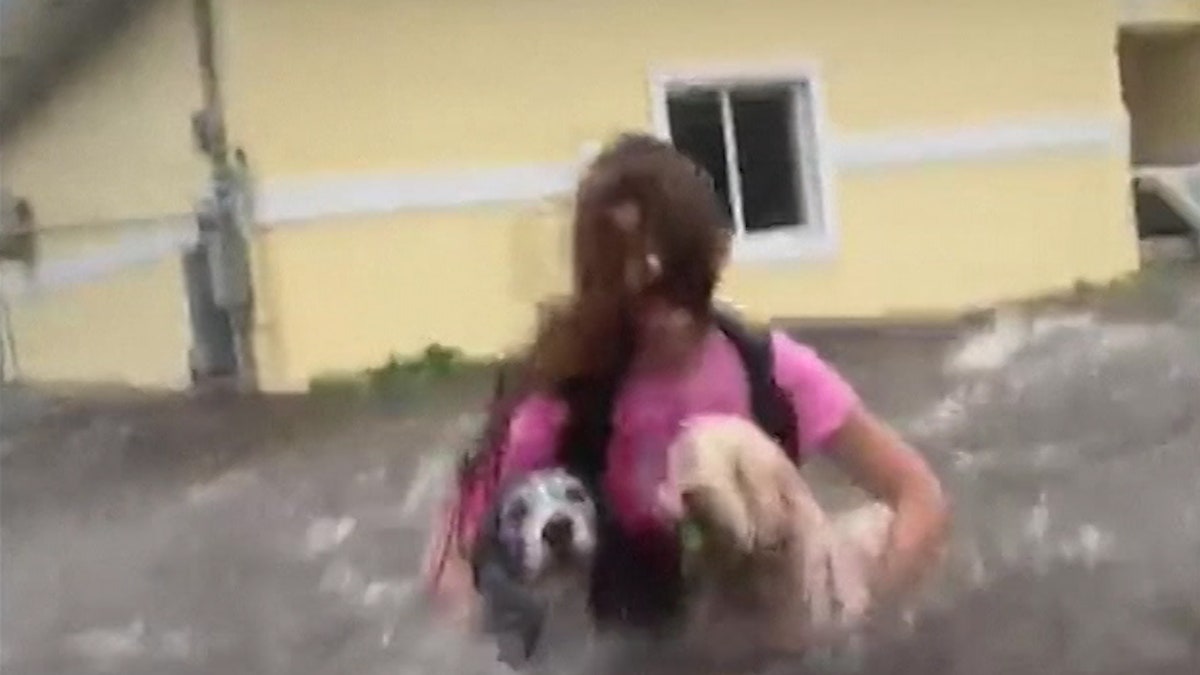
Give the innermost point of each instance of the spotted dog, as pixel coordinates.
(532, 566)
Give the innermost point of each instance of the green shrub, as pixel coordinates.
(397, 377)
(338, 386)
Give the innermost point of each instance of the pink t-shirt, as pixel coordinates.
(650, 410)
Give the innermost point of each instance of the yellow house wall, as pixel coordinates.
(385, 300)
(129, 328)
(108, 167)
(327, 88)
(947, 239)
(318, 89)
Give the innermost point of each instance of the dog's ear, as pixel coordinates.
(682, 473)
(487, 548)
(756, 472)
(719, 507)
(511, 613)
(704, 476)
(516, 649)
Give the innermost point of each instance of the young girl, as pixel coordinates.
(650, 241)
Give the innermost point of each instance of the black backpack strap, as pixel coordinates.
(583, 443)
(624, 589)
(589, 426)
(770, 404)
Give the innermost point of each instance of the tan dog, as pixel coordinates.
(771, 565)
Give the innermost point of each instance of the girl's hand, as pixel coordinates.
(448, 577)
(898, 475)
(453, 591)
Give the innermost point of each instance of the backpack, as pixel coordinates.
(583, 444)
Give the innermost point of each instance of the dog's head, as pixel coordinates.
(546, 526)
(732, 484)
(766, 550)
(535, 550)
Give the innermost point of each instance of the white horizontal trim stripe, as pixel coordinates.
(301, 199)
(1001, 141)
(129, 252)
(294, 201)
(313, 199)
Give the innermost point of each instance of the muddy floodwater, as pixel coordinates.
(155, 534)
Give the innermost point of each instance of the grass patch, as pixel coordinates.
(338, 387)
(398, 377)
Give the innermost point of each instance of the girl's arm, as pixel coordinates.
(832, 419)
(895, 473)
(533, 432)
(529, 444)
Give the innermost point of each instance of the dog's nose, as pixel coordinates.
(558, 533)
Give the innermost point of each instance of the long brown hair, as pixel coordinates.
(647, 223)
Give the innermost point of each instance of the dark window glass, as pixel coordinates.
(764, 124)
(695, 119)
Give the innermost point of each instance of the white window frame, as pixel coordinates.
(817, 238)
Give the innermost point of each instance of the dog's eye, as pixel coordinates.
(576, 495)
(517, 512)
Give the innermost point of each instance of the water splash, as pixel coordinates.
(326, 534)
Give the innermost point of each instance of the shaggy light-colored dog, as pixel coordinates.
(772, 568)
